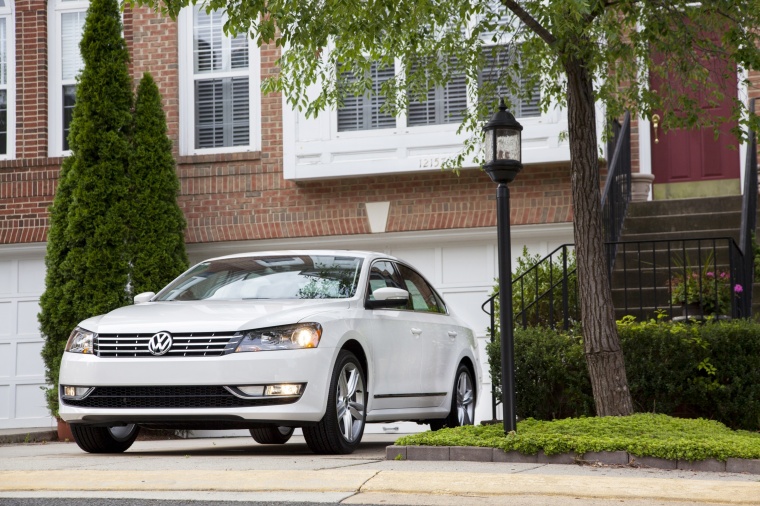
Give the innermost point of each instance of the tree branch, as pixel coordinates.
(530, 21)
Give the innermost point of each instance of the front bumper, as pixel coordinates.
(311, 367)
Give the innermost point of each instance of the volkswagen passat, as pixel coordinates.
(322, 340)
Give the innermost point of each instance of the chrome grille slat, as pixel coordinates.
(190, 344)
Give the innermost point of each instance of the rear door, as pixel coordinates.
(438, 336)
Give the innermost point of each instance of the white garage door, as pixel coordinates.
(22, 371)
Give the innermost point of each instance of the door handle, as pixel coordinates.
(416, 331)
(452, 334)
(655, 124)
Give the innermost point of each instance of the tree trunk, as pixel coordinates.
(604, 357)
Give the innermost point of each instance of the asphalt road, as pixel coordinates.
(231, 471)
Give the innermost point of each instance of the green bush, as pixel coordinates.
(551, 379)
(87, 268)
(709, 370)
(643, 435)
(156, 242)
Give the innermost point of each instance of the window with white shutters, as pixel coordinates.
(7, 80)
(497, 63)
(72, 26)
(444, 104)
(364, 112)
(221, 84)
(3, 84)
(66, 24)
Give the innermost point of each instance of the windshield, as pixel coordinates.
(268, 277)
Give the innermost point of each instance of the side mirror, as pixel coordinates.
(141, 298)
(388, 297)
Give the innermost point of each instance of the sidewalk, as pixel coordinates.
(237, 467)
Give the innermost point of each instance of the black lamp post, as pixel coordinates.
(503, 160)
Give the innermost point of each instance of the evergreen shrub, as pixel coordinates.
(709, 370)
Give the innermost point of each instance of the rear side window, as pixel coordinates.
(422, 295)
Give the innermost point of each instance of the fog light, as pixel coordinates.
(76, 392)
(285, 389)
(252, 390)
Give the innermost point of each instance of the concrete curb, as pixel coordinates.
(619, 458)
(34, 436)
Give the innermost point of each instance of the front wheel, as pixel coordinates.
(271, 434)
(340, 430)
(462, 402)
(116, 439)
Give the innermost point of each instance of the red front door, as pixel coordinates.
(696, 154)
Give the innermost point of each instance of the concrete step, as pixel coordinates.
(682, 235)
(685, 206)
(719, 220)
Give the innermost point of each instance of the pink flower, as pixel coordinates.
(738, 289)
(710, 274)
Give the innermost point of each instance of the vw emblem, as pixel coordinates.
(160, 343)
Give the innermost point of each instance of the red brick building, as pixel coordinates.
(256, 175)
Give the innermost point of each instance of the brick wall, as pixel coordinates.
(243, 196)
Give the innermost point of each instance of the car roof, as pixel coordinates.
(310, 252)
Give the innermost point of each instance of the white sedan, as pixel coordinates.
(322, 340)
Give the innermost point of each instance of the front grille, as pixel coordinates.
(169, 397)
(188, 344)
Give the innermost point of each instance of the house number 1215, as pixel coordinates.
(432, 162)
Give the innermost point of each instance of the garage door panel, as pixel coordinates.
(6, 360)
(27, 318)
(31, 277)
(5, 402)
(466, 305)
(30, 402)
(466, 265)
(422, 259)
(28, 359)
(6, 319)
(5, 277)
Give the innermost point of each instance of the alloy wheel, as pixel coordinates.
(350, 402)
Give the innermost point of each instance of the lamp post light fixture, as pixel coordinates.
(503, 160)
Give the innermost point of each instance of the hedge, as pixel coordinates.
(709, 370)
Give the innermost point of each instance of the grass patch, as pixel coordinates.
(643, 435)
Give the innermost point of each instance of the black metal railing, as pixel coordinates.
(685, 278)
(749, 214)
(617, 188)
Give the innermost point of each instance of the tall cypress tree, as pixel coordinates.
(86, 256)
(156, 245)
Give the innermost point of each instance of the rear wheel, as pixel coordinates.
(115, 439)
(340, 430)
(271, 434)
(462, 402)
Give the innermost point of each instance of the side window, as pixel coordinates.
(383, 274)
(422, 294)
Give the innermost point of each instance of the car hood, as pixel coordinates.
(208, 316)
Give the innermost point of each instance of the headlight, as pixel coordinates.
(81, 341)
(288, 337)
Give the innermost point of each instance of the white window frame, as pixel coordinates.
(313, 148)
(56, 8)
(8, 12)
(187, 92)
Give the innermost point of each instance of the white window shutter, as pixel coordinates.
(72, 25)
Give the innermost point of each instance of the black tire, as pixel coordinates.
(462, 401)
(271, 434)
(340, 430)
(115, 439)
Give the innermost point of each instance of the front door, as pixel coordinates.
(694, 162)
